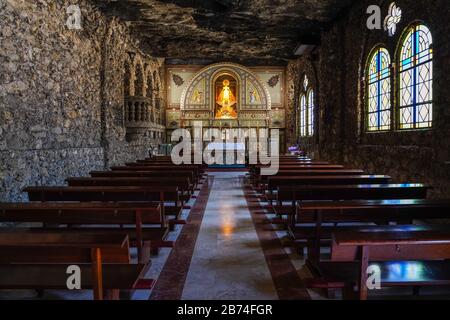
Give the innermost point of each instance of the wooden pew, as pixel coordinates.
(306, 166)
(299, 162)
(189, 174)
(185, 186)
(256, 170)
(277, 181)
(39, 260)
(167, 161)
(310, 216)
(163, 194)
(351, 192)
(261, 181)
(288, 196)
(140, 215)
(200, 168)
(197, 172)
(331, 172)
(424, 249)
(294, 164)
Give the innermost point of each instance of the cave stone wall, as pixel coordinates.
(61, 94)
(408, 156)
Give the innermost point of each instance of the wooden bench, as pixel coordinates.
(423, 250)
(310, 216)
(169, 162)
(261, 181)
(165, 195)
(296, 181)
(189, 174)
(149, 229)
(320, 172)
(165, 168)
(138, 163)
(256, 170)
(185, 186)
(292, 164)
(298, 162)
(288, 196)
(30, 260)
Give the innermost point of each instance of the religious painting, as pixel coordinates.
(198, 94)
(225, 88)
(252, 94)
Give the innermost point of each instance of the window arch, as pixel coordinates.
(378, 80)
(416, 78)
(306, 109)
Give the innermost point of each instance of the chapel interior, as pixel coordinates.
(93, 94)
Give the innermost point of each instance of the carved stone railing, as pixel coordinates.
(137, 116)
(141, 118)
(137, 110)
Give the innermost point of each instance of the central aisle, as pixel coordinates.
(228, 261)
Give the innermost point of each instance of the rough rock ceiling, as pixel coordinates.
(245, 31)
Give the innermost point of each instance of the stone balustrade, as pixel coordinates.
(141, 117)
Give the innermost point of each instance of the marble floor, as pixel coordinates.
(228, 261)
(233, 255)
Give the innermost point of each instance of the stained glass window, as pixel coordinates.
(379, 91)
(416, 79)
(303, 110)
(310, 112)
(306, 110)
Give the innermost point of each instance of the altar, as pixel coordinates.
(233, 154)
(226, 96)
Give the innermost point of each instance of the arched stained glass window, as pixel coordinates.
(303, 110)
(416, 78)
(306, 109)
(378, 78)
(310, 112)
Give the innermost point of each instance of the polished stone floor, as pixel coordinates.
(228, 261)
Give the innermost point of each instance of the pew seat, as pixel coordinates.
(54, 277)
(39, 260)
(406, 256)
(146, 219)
(340, 275)
(166, 195)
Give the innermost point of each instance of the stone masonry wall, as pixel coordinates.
(408, 156)
(61, 94)
(296, 72)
